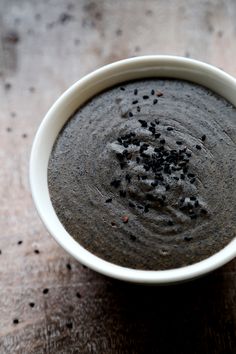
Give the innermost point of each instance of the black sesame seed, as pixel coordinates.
(192, 180)
(36, 251)
(122, 88)
(203, 211)
(19, 242)
(191, 175)
(31, 304)
(123, 194)
(68, 266)
(182, 176)
(115, 183)
(120, 156)
(170, 223)
(131, 205)
(203, 137)
(69, 325)
(135, 102)
(157, 135)
(187, 238)
(196, 204)
(15, 321)
(45, 291)
(143, 123)
(138, 109)
(193, 198)
(152, 130)
(135, 92)
(78, 295)
(133, 237)
(198, 147)
(150, 197)
(130, 114)
(169, 129)
(119, 140)
(157, 122)
(146, 208)
(162, 141)
(128, 178)
(155, 101)
(152, 92)
(108, 200)
(176, 178)
(145, 97)
(179, 142)
(188, 154)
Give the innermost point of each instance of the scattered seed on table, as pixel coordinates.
(45, 291)
(68, 266)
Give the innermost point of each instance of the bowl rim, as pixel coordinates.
(62, 236)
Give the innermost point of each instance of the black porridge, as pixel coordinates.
(143, 175)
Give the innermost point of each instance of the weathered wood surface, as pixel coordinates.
(45, 47)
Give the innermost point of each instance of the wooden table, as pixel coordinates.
(45, 47)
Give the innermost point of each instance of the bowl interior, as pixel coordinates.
(63, 108)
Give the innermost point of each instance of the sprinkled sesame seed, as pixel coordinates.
(162, 141)
(203, 137)
(132, 205)
(135, 102)
(155, 101)
(169, 129)
(133, 237)
(130, 114)
(193, 198)
(179, 142)
(198, 147)
(123, 194)
(45, 291)
(152, 92)
(115, 183)
(135, 92)
(122, 88)
(143, 123)
(109, 200)
(15, 321)
(145, 97)
(187, 238)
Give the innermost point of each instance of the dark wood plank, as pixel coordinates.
(45, 47)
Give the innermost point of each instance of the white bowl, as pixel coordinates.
(76, 95)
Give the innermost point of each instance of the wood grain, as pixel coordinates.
(45, 47)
